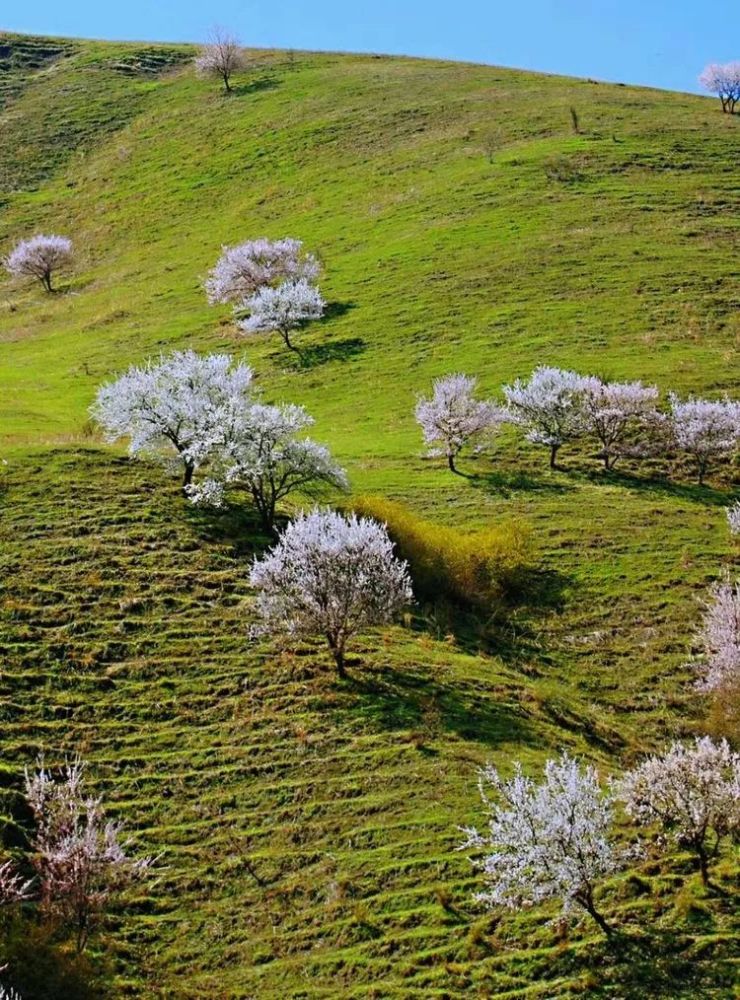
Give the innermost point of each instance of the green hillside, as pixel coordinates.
(307, 826)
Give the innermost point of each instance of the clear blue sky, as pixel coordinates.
(662, 43)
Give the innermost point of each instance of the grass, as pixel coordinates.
(307, 826)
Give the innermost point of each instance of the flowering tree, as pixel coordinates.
(693, 791)
(549, 840)
(733, 518)
(271, 461)
(242, 270)
(550, 406)
(724, 81)
(39, 257)
(705, 429)
(221, 56)
(78, 854)
(453, 417)
(185, 402)
(614, 411)
(332, 576)
(285, 308)
(719, 638)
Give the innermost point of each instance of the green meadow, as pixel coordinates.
(306, 826)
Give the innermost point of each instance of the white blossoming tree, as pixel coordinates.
(288, 307)
(545, 841)
(221, 57)
(705, 429)
(719, 638)
(40, 257)
(615, 412)
(330, 576)
(79, 857)
(242, 270)
(453, 417)
(186, 403)
(733, 518)
(693, 791)
(550, 407)
(723, 79)
(271, 459)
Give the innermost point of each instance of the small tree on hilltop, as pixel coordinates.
(40, 257)
(550, 407)
(330, 576)
(268, 459)
(692, 791)
(453, 418)
(221, 56)
(242, 270)
(286, 308)
(79, 857)
(614, 412)
(547, 841)
(705, 429)
(724, 81)
(186, 403)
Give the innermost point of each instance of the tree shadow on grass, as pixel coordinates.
(253, 86)
(659, 962)
(411, 699)
(708, 496)
(505, 483)
(236, 523)
(336, 350)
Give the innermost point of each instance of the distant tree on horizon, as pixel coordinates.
(221, 56)
(723, 79)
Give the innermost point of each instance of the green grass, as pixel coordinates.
(308, 826)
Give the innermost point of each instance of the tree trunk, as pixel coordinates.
(46, 281)
(703, 864)
(188, 476)
(286, 338)
(337, 651)
(588, 904)
(227, 85)
(553, 455)
(451, 463)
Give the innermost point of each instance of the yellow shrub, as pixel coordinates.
(475, 568)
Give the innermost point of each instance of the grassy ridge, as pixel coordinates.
(308, 827)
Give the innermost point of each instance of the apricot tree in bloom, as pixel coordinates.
(733, 518)
(723, 79)
(719, 638)
(545, 841)
(186, 403)
(242, 270)
(39, 257)
(706, 429)
(79, 857)
(614, 413)
(331, 576)
(693, 791)
(550, 406)
(271, 459)
(453, 417)
(284, 308)
(221, 56)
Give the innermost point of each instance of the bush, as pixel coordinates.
(478, 569)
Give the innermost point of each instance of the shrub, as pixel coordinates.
(477, 569)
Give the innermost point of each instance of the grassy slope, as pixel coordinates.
(462, 226)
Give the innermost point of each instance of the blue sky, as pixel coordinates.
(662, 43)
